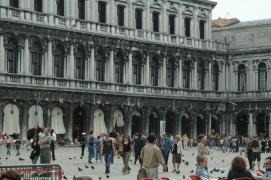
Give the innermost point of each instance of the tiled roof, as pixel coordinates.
(224, 22)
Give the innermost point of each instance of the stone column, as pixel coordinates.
(26, 62)
(49, 68)
(70, 122)
(109, 113)
(194, 132)
(2, 52)
(1, 117)
(162, 122)
(130, 68)
(146, 121)
(93, 10)
(269, 127)
(195, 24)
(164, 72)
(128, 122)
(268, 85)
(210, 76)
(51, 10)
(209, 125)
(147, 83)
(180, 73)
(195, 75)
(222, 78)
(179, 123)
(24, 123)
(111, 67)
(92, 65)
(88, 10)
(67, 7)
(164, 20)
(71, 63)
(250, 125)
(45, 6)
(209, 28)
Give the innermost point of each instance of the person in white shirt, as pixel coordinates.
(52, 146)
(177, 154)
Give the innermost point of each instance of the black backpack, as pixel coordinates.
(255, 143)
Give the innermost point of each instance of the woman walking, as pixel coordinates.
(8, 144)
(35, 151)
(177, 154)
(126, 153)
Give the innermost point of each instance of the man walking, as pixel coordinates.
(45, 151)
(53, 136)
(91, 146)
(165, 146)
(107, 150)
(151, 157)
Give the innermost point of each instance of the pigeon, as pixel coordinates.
(223, 160)
(107, 176)
(212, 158)
(187, 163)
(70, 158)
(192, 171)
(183, 176)
(21, 159)
(86, 166)
(192, 154)
(6, 158)
(92, 167)
(211, 172)
(79, 169)
(81, 157)
(100, 178)
(65, 177)
(222, 172)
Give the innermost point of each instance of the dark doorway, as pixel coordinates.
(242, 124)
(136, 123)
(262, 125)
(154, 123)
(215, 125)
(201, 125)
(170, 123)
(186, 125)
(79, 116)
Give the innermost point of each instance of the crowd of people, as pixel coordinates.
(150, 152)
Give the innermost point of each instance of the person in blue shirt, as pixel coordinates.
(202, 168)
(267, 166)
(165, 146)
(98, 144)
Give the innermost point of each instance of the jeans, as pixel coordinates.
(35, 159)
(17, 152)
(8, 150)
(97, 154)
(107, 160)
(126, 159)
(82, 150)
(91, 153)
(137, 157)
(165, 155)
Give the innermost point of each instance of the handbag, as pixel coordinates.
(141, 173)
(33, 154)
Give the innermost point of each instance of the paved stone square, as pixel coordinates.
(216, 159)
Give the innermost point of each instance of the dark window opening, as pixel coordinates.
(38, 5)
(119, 68)
(186, 74)
(138, 16)
(171, 20)
(80, 64)
(36, 63)
(137, 69)
(262, 77)
(202, 29)
(120, 12)
(215, 77)
(12, 56)
(201, 76)
(14, 3)
(154, 65)
(242, 78)
(187, 27)
(81, 9)
(102, 11)
(155, 21)
(60, 7)
(171, 73)
(59, 61)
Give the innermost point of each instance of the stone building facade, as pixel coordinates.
(126, 65)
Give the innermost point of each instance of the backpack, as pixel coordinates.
(255, 143)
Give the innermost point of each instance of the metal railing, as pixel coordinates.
(37, 172)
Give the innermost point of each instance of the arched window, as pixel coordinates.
(154, 70)
(13, 54)
(242, 78)
(38, 5)
(171, 72)
(215, 77)
(186, 74)
(36, 59)
(119, 67)
(14, 3)
(59, 61)
(80, 63)
(81, 9)
(60, 7)
(137, 68)
(262, 76)
(201, 75)
(100, 65)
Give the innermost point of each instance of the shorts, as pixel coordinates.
(256, 155)
(176, 158)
